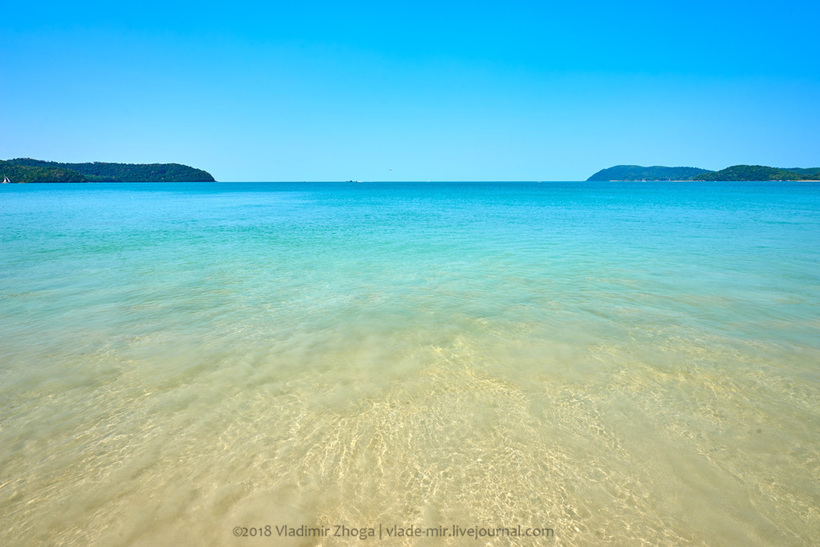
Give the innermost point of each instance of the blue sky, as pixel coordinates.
(411, 90)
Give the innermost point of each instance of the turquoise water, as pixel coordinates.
(623, 363)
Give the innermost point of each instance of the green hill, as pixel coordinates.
(813, 172)
(28, 173)
(30, 170)
(761, 173)
(734, 173)
(637, 172)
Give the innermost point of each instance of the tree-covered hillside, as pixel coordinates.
(638, 172)
(760, 172)
(120, 172)
(734, 173)
(812, 172)
(28, 173)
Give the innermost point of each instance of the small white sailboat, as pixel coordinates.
(6, 179)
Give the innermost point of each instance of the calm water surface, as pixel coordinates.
(622, 363)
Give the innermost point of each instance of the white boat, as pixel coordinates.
(6, 180)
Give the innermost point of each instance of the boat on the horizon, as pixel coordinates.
(6, 179)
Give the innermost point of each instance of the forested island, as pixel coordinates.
(761, 172)
(638, 172)
(29, 170)
(734, 173)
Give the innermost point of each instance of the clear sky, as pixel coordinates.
(394, 90)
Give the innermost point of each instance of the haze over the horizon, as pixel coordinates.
(411, 90)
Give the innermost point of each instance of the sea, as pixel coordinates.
(442, 363)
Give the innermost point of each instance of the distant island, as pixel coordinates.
(29, 170)
(637, 172)
(761, 172)
(734, 173)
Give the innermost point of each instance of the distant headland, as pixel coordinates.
(29, 170)
(734, 173)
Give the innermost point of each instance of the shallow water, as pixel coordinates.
(621, 363)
